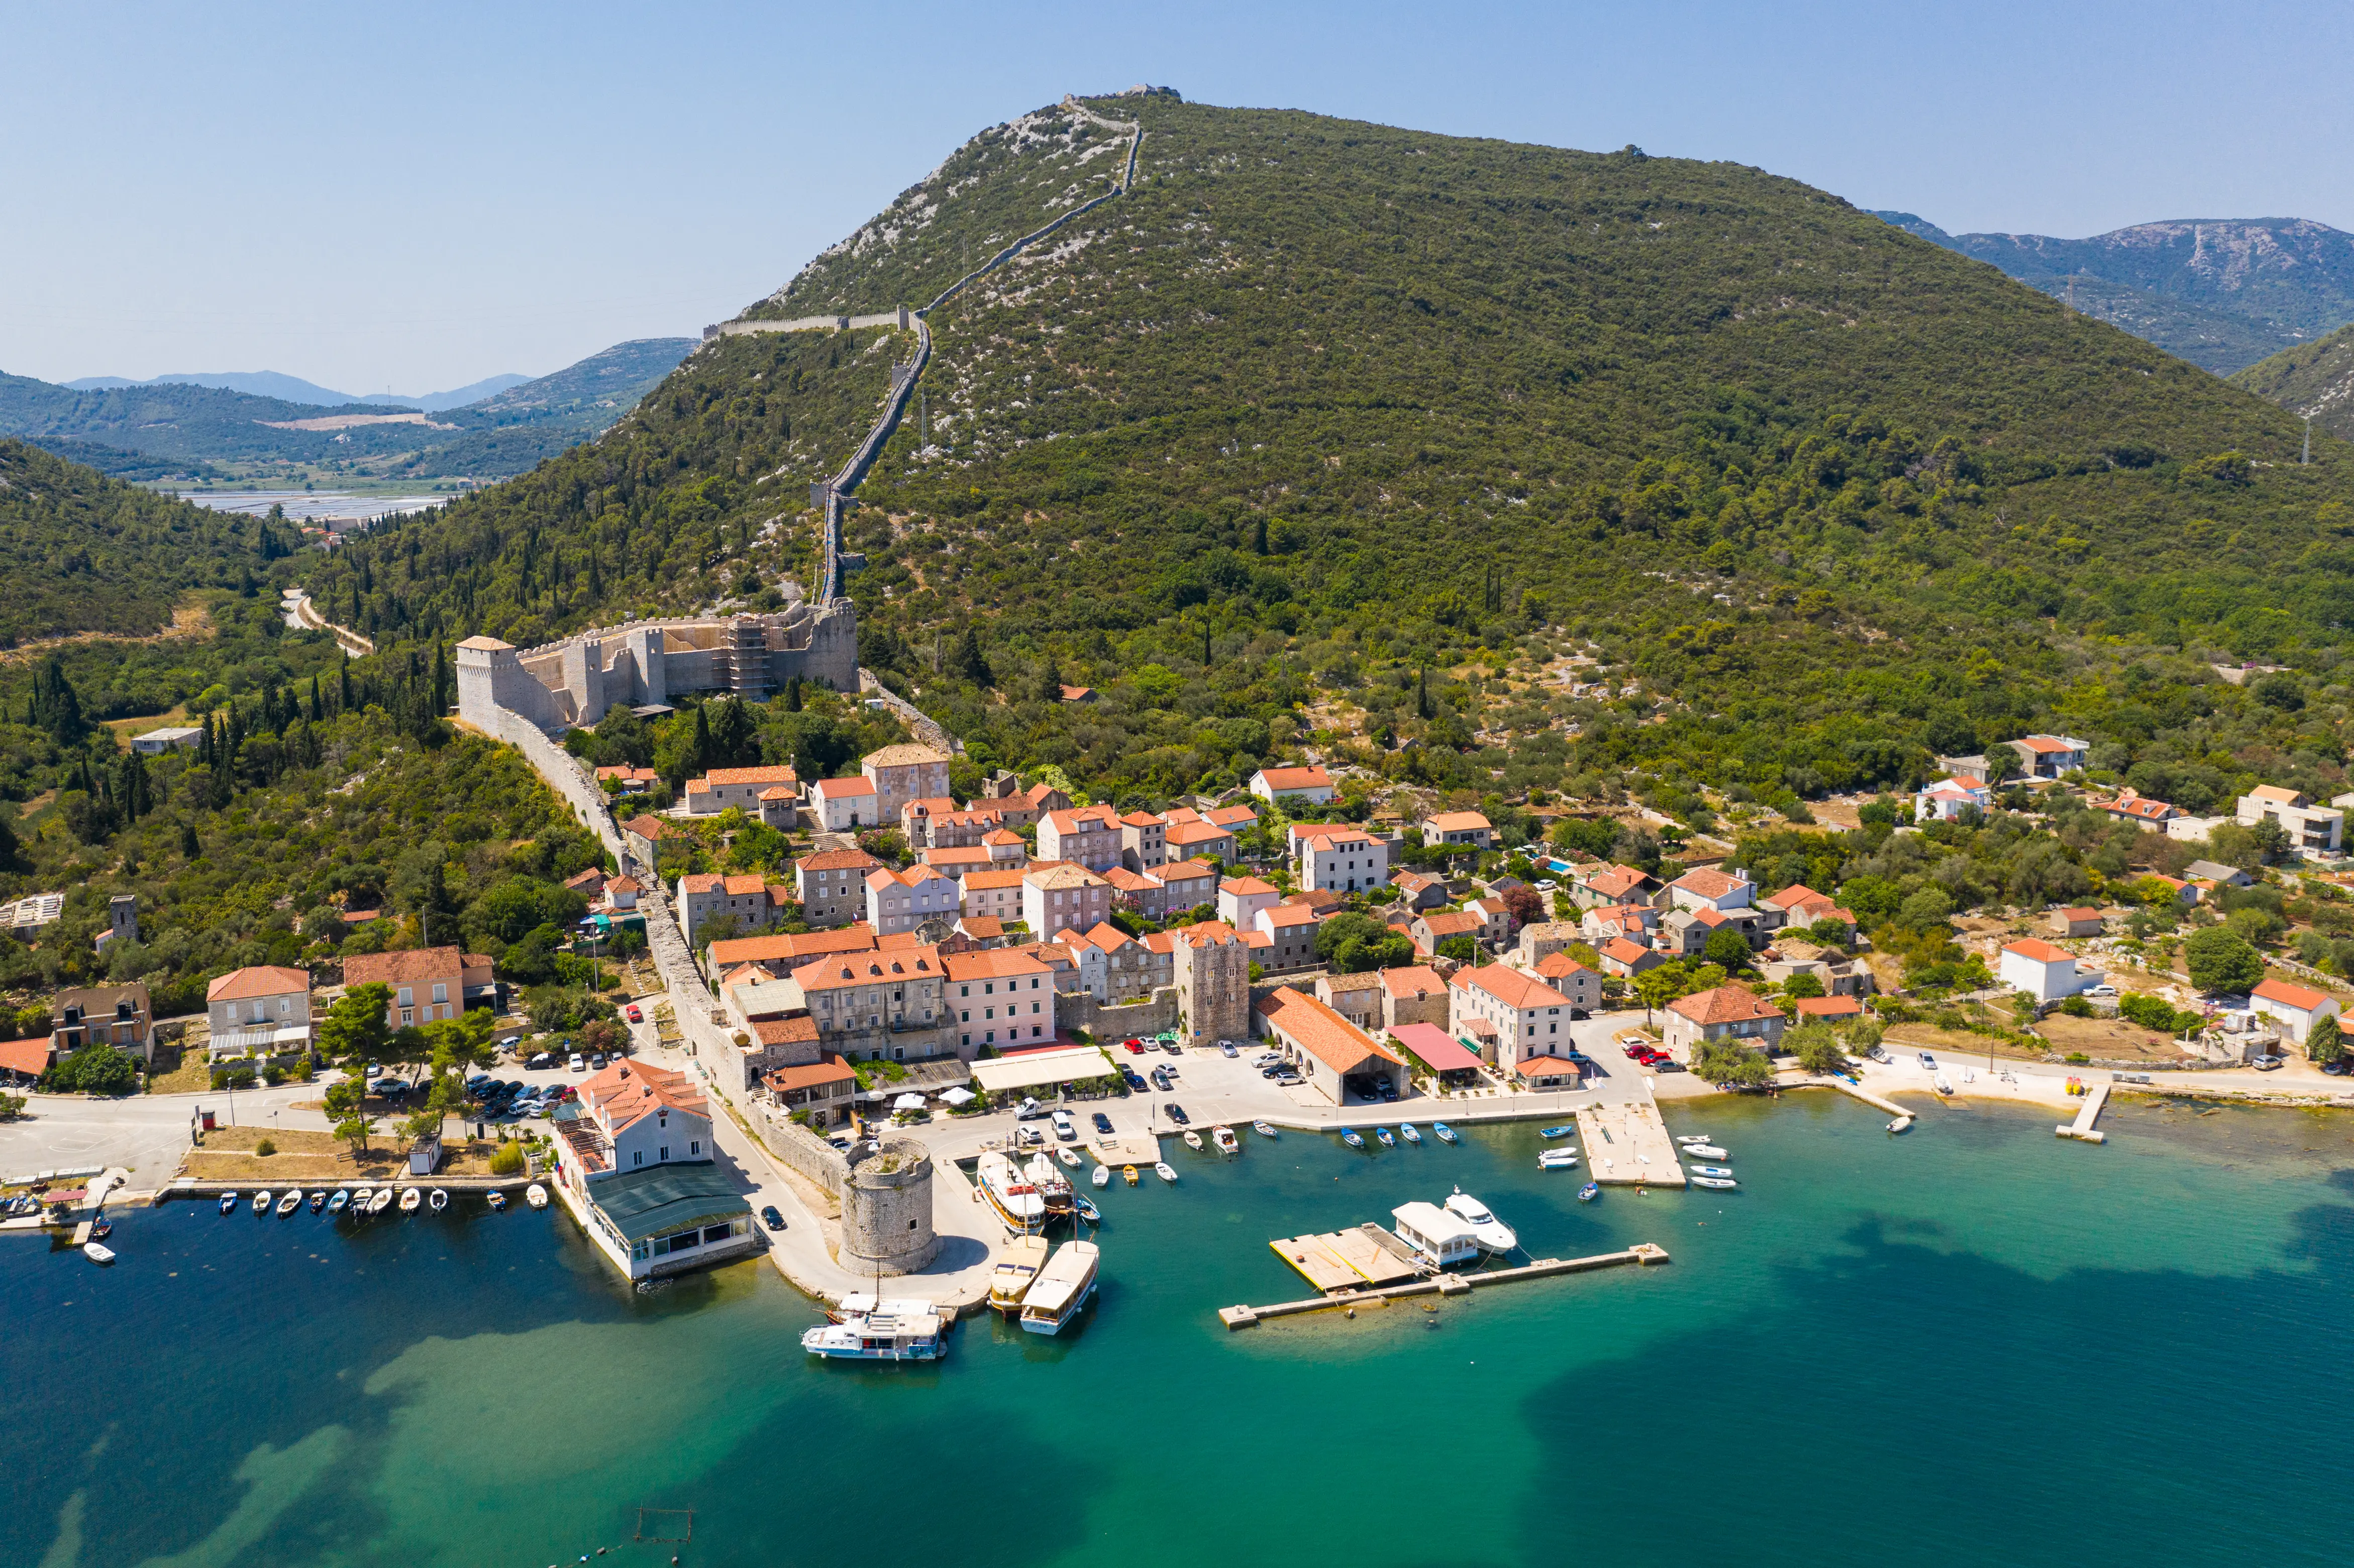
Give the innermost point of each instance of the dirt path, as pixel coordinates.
(189, 621)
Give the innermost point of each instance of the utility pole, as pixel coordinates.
(2308, 443)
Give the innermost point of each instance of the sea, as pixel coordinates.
(1972, 1343)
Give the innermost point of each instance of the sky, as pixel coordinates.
(408, 198)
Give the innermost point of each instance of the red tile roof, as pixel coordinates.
(2287, 995)
(1322, 1033)
(405, 967)
(1829, 1006)
(1725, 1004)
(1509, 986)
(1281, 778)
(263, 979)
(2041, 952)
(720, 776)
(832, 1070)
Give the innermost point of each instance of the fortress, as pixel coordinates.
(561, 685)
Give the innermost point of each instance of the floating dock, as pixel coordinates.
(2095, 1097)
(1628, 1146)
(1350, 1260)
(1640, 1254)
(1904, 1117)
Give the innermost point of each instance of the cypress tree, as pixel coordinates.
(703, 747)
(189, 846)
(343, 682)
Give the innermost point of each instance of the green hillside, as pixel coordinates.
(87, 553)
(2316, 378)
(1321, 406)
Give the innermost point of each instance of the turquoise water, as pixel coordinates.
(1976, 1343)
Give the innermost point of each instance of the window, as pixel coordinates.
(694, 1146)
(408, 1015)
(637, 1157)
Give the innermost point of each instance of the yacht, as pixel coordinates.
(879, 1335)
(1493, 1234)
(1013, 1194)
(1017, 1266)
(1062, 1288)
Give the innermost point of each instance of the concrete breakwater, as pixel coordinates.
(1641, 1254)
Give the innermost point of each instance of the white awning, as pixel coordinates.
(909, 1102)
(960, 1096)
(1041, 1067)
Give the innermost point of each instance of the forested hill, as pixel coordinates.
(1320, 404)
(86, 552)
(2315, 378)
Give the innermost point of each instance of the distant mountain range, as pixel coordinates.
(294, 389)
(183, 428)
(2220, 293)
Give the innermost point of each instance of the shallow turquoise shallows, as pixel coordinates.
(1976, 1343)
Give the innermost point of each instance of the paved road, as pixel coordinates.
(145, 1134)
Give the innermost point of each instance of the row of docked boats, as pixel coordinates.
(365, 1200)
(1043, 1285)
(1406, 1133)
(1696, 1147)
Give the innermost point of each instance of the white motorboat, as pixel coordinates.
(1718, 1182)
(1702, 1151)
(536, 1195)
(409, 1200)
(261, 1202)
(1069, 1157)
(360, 1196)
(1691, 1138)
(381, 1201)
(1224, 1137)
(1013, 1194)
(97, 1252)
(1063, 1287)
(1161, 1167)
(879, 1337)
(1493, 1234)
(1192, 1139)
(1556, 1159)
(1017, 1266)
(439, 1200)
(1712, 1169)
(1943, 1084)
(1102, 1176)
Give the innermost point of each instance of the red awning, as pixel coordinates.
(1433, 1048)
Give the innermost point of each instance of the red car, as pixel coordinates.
(633, 1015)
(1133, 1047)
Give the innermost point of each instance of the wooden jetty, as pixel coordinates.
(1640, 1254)
(1351, 1259)
(2095, 1097)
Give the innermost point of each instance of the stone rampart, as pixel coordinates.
(1117, 1021)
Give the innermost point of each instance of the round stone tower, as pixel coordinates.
(886, 1208)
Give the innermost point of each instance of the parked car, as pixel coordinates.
(1928, 1063)
(541, 1059)
(1877, 1054)
(633, 1015)
(2268, 1062)
(1227, 1048)
(1103, 1124)
(1177, 1114)
(1133, 1047)
(373, 1069)
(771, 1218)
(596, 1060)
(1288, 1079)
(2102, 992)
(577, 1063)
(1172, 1047)
(1063, 1128)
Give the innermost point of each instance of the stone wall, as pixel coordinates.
(804, 1153)
(1123, 1020)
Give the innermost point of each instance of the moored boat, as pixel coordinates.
(1493, 1234)
(1350, 1136)
(1388, 1139)
(1069, 1157)
(1087, 1211)
(1588, 1193)
(878, 1336)
(1446, 1133)
(1017, 1266)
(411, 1198)
(381, 1201)
(1408, 1130)
(261, 1202)
(290, 1202)
(1718, 1182)
(1224, 1137)
(1102, 1176)
(498, 1200)
(1712, 1169)
(1163, 1169)
(318, 1201)
(1556, 1159)
(335, 1204)
(1052, 1186)
(1943, 1084)
(536, 1195)
(1128, 1175)
(1557, 1132)
(1691, 1138)
(1702, 1151)
(1062, 1288)
(439, 1200)
(1192, 1139)
(228, 1202)
(1264, 1128)
(97, 1252)
(1014, 1197)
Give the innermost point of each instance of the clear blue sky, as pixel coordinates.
(416, 197)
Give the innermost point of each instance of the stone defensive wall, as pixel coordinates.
(558, 685)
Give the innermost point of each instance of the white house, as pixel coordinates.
(1705, 887)
(1945, 799)
(1344, 862)
(1528, 1017)
(842, 805)
(722, 787)
(1240, 898)
(156, 742)
(2043, 971)
(2297, 1008)
(1312, 784)
(2315, 830)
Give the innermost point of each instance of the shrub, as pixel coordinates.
(507, 1159)
(265, 1149)
(2076, 1007)
(97, 1069)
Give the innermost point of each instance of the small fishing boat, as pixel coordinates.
(1691, 1138)
(1493, 1234)
(439, 1200)
(1017, 1266)
(1944, 1084)
(1702, 1151)
(1407, 1131)
(1087, 1211)
(1712, 1169)
(96, 1253)
(1388, 1140)
(359, 1200)
(381, 1201)
(1128, 1175)
(1193, 1139)
(1557, 1132)
(1348, 1136)
(1264, 1128)
(1718, 1182)
(536, 1195)
(261, 1202)
(498, 1200)
(1163, 1169)
(1588, 1193)
(1069, 1157)
(318, 1201)
(101, 1228)
(1102, 1176)
(1446, 1133)
(1062, 1288)
(409, 1200)
(1556, 1159)
(228, 1202)
(1224, 1137)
